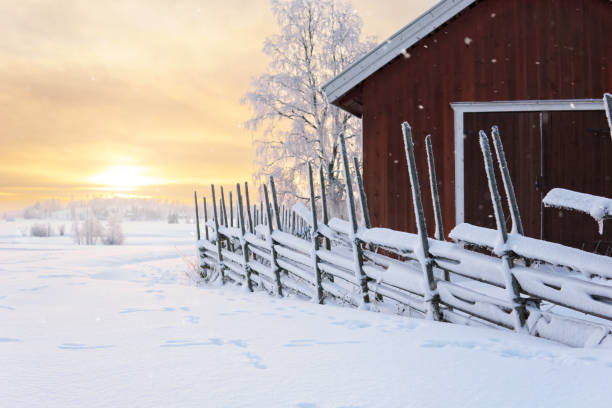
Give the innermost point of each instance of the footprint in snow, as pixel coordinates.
(135, 310)
(299, 343)
(185, 343)
(310, 343)
(210, 342)
(445, 343)
(79, 346)
(7, 307)
(34, 289)
(9, 340)
(193, 319)
(352, 324)
(255, 361)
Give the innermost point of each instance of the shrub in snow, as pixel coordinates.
(40, 230)
(114, 232)
(173, 218)
(88, 231)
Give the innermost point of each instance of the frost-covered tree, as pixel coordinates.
(292, 119)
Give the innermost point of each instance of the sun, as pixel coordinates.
(123, 178)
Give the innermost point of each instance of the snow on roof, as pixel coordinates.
(394, 46)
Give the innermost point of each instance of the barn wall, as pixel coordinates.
(495, 50)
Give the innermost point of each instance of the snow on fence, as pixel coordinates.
(514, 285)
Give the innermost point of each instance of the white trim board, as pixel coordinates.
(460, 108)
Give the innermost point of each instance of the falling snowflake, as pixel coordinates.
(405, 53)
(493, 60)
(467, 40)
(493, 15)
(421, 107)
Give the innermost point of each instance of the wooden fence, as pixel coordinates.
(486, 277)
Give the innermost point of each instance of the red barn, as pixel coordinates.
(536, 68)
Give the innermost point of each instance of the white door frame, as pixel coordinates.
(460, 108)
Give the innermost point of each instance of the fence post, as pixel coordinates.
(231, 208)
(355, 243)
(224, 213)
(435, 196)
(248, 207)
(205, 217)
(512, 286)
(275, 203)
(315, 238)
(432, 299)
(219, 254)
(433, 184)
(243, 242)
(197, 216)
(324, 204)
(362, 194)
(273, 255)
(517, 224)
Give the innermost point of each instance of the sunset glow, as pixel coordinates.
(135, 95)
(122, 178)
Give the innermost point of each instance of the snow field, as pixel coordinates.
(126, 326)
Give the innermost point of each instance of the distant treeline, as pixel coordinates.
(129, 209)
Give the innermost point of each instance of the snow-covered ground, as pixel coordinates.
(126, 326)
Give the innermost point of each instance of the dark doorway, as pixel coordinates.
(568, 149)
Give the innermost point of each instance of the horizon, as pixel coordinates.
(136, 97)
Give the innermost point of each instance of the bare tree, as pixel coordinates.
(292, 118)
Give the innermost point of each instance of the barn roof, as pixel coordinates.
(389, 49)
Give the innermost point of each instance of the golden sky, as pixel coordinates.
(141, 93)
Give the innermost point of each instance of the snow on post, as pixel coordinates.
(243, 243)
(512, 286)
(430, 293)
(600, 208)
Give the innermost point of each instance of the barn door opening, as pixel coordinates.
(545, 149)
(578, 157)
(520, 133)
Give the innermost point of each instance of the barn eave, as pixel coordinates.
(344, 90)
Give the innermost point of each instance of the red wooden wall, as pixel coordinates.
(518, 50)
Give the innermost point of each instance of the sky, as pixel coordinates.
(136, 97)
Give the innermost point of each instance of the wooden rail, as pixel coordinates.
(510, 281)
